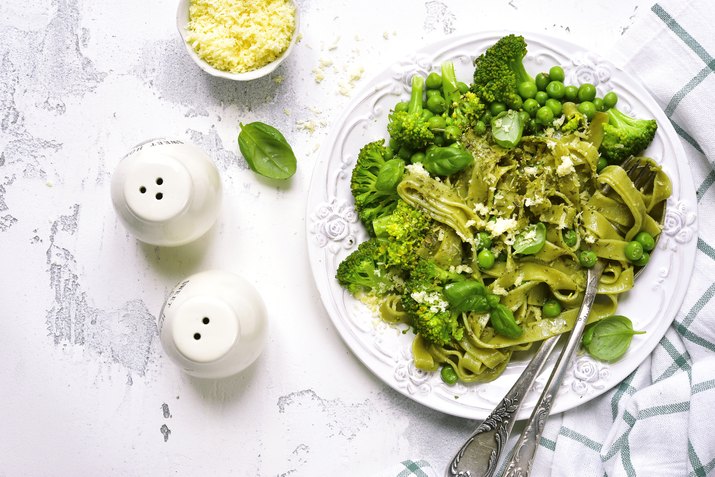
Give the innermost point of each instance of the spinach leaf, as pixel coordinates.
(530, 240)
(609, 338)
(502, 319)
(389, 175)
(266, 151)
(445, 161)
(507, 129)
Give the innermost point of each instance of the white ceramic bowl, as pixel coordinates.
(182, 20)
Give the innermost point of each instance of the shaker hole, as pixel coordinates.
(142, 189)
(197, 336)
(206, 320)
(159, 181)
(159, 196)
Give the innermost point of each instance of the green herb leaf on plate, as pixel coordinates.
(609, 338)
(266, 151)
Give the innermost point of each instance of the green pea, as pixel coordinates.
(586, 92)
(525, 117)
(448, 375)
(556, 73)
(485, 259)
(646, 240)
(437, 122)
(417, 157)
(402, 106)
(598, 103)
(484, 240)
(602, 162)
(515, 102)
(571, 93)
(545, 116)
(555, 106)
(588, 109)
(495, 108)
(404, 153)
(541, 97)
(643, 261)
(439, 140)
(433, 92)
(526, 89)
(570, 237)
(556, 89)
(487, 117)
(426, 113)
(587, 258)
(433, 81)
(436, 104)
(462, 87)
(389, 153)
(531, 106)
(633, 251)
(541, 80)
(609, 100)
(452, 133)
(480, 128)
(551, 308)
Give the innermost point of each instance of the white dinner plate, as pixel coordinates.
(334, 231)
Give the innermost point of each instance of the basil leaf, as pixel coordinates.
(609, 338)
(266, 151)
(530, 240)
(507, 129)
(467, 295)
(389, 175)
(445, 161)
(503, 322)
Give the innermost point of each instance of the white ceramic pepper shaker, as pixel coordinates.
(213, 324)
(166, 192)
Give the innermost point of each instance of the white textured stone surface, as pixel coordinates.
(86, 389)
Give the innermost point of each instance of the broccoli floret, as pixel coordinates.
(410, 129)
(467, 110)
(574, 120)
(428, 310)
(624, 136)
(363, 272)
(407, 234)
(371, 202)
(500, 69)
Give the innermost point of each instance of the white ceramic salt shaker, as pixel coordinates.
(213, 324)
(166, 192)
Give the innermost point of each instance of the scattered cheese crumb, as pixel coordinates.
(566, 166)
(501, 226)
(278, 79)
(240, 35)
(417, 169)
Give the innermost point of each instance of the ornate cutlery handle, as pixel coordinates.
(478, 456)
(525, 449)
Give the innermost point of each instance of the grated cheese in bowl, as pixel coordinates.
(238, 39)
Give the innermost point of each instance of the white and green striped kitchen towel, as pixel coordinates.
(660, 421)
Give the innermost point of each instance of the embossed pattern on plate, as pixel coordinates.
(334, 231)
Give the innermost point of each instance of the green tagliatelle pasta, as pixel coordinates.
(548, 180)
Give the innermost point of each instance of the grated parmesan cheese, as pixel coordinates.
(240, 35)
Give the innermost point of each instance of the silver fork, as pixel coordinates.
(480, 454)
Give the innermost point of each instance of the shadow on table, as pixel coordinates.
(226, 390)
(178, 262)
